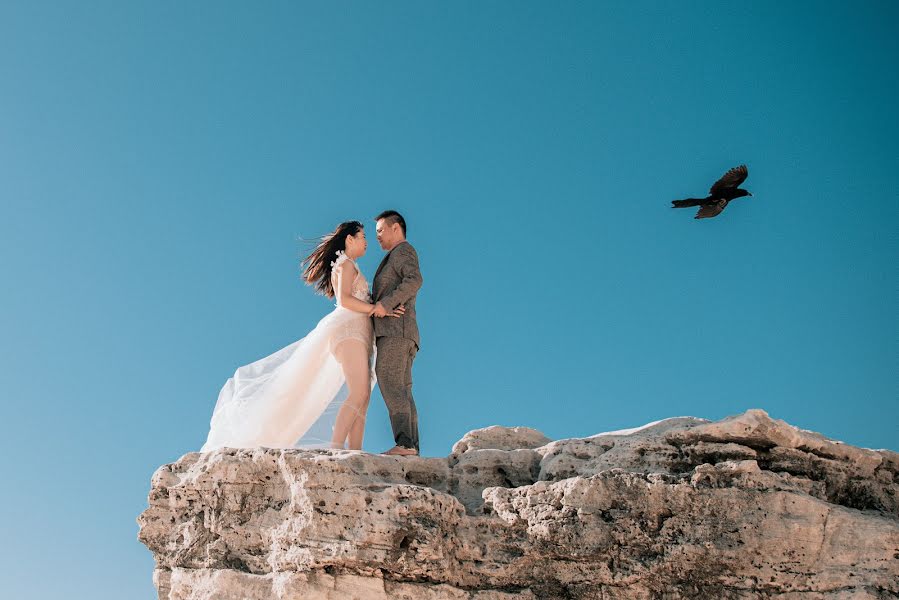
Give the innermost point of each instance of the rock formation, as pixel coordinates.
(746, 507)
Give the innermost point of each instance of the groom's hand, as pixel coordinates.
(380, 311)
(399, 311)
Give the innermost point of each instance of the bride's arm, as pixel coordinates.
(344, 290)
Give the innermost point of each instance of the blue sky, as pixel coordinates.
(160, 161)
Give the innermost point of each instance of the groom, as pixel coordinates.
(396, 282)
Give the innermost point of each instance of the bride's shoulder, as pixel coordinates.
(341, 260)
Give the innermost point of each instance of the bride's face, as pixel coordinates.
(356, 244)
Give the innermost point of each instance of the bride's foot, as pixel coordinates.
(336, 446)
(402, 451)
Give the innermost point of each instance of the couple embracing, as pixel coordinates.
(315, 392)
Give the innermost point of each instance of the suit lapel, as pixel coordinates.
(384, 260)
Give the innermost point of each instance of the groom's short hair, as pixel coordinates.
(391, 217)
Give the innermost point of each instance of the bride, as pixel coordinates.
(314, 392)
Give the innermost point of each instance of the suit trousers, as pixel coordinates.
(394, 371)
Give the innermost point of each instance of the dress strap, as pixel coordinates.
(335, 264)
(342, 258)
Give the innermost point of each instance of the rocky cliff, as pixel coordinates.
(745, 507)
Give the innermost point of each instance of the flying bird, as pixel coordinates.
(725, 189)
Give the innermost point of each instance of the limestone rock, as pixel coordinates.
(746, 507)
(500, 438)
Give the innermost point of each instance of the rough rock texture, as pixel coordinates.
(746, 507)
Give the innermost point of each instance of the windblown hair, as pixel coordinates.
(391, 217)
(317, 270)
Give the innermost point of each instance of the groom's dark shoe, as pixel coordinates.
(402, 451)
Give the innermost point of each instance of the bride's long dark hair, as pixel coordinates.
(317, 271)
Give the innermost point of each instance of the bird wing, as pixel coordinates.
(711, 210)
(731, 179)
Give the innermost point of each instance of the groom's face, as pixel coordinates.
(387, 233)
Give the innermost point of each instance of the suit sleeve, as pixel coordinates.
(407, 265)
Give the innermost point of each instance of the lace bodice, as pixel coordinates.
(360, 284)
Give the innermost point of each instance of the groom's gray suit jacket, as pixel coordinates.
(396, 282)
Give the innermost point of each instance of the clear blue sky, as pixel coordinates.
(160, 160)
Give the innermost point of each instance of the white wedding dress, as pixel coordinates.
(290, 399)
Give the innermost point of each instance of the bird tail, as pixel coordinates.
(686, 203)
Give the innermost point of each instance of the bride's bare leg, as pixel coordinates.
(357, 430)
(353, 358)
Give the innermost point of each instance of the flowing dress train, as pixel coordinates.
(291, 398)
